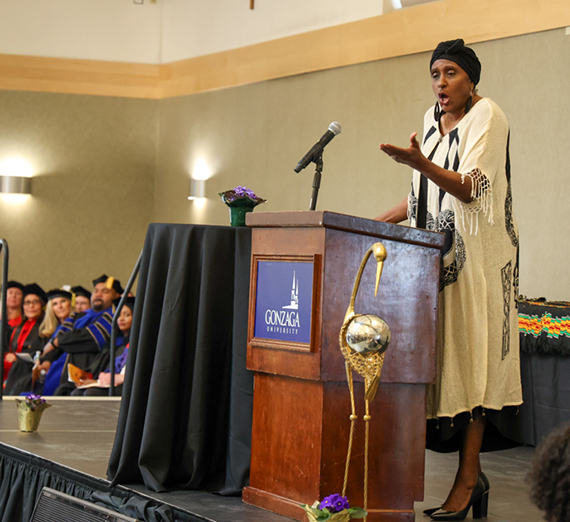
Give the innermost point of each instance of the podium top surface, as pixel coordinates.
(353, 224)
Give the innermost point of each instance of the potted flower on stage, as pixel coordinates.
(240, 200)
(30, 411)
(334, 508)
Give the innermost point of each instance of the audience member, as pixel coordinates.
(58, 309)
(14, 297)
(549, 476)
(82, 298)
(101, 366)
(53, 368)
(84, 336)
(25, 338)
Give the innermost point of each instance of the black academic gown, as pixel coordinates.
(102, 363)
(81, 349)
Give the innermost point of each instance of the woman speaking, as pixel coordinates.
(461, 187)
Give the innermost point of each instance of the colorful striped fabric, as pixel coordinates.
(544, 327)
(552, 326)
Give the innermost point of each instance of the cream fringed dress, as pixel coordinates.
(478, 342)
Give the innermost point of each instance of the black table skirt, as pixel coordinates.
(185, 419)
(546, 395)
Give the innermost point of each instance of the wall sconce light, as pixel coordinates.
(197, 188)
(15, 185)
(15, 176)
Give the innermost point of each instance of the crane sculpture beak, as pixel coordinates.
(380, 254)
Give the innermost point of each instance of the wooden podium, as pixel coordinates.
(301, 399)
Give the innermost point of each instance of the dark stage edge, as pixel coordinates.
(78, 434)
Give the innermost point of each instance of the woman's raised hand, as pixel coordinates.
(411, 156)
(448, 180)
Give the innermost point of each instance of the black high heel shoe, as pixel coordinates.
(429, 512)
(479, 501)
(485, 481)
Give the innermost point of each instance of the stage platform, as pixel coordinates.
(78, 434)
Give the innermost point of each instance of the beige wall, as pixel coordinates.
(94, 161)
(75, 227)
(255, 134)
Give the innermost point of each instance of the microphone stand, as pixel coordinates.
(316, 181)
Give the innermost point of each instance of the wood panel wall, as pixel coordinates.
(66, 76)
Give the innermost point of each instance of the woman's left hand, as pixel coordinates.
(411, 156)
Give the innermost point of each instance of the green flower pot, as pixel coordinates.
(238, 210)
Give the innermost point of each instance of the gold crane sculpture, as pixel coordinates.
(363, 342)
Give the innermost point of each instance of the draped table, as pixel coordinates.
(185, 418)
(544, 329)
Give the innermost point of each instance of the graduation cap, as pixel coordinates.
(35, 289)
(79, 290)
(14, 284)
(110, 282)
(129, 303)
(58, 292)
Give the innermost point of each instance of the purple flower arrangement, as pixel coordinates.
(30, 412)
(240, 201)
(240, 193)
(334, 503)
(332, 508)
(32, 401)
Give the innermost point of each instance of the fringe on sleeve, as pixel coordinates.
(482, 195)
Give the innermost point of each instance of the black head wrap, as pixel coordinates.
(455, 51)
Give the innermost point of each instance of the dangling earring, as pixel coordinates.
(437, 112)
(469, 103)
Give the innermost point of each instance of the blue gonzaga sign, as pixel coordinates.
(284, 301)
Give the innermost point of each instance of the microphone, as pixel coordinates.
(317, 148)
